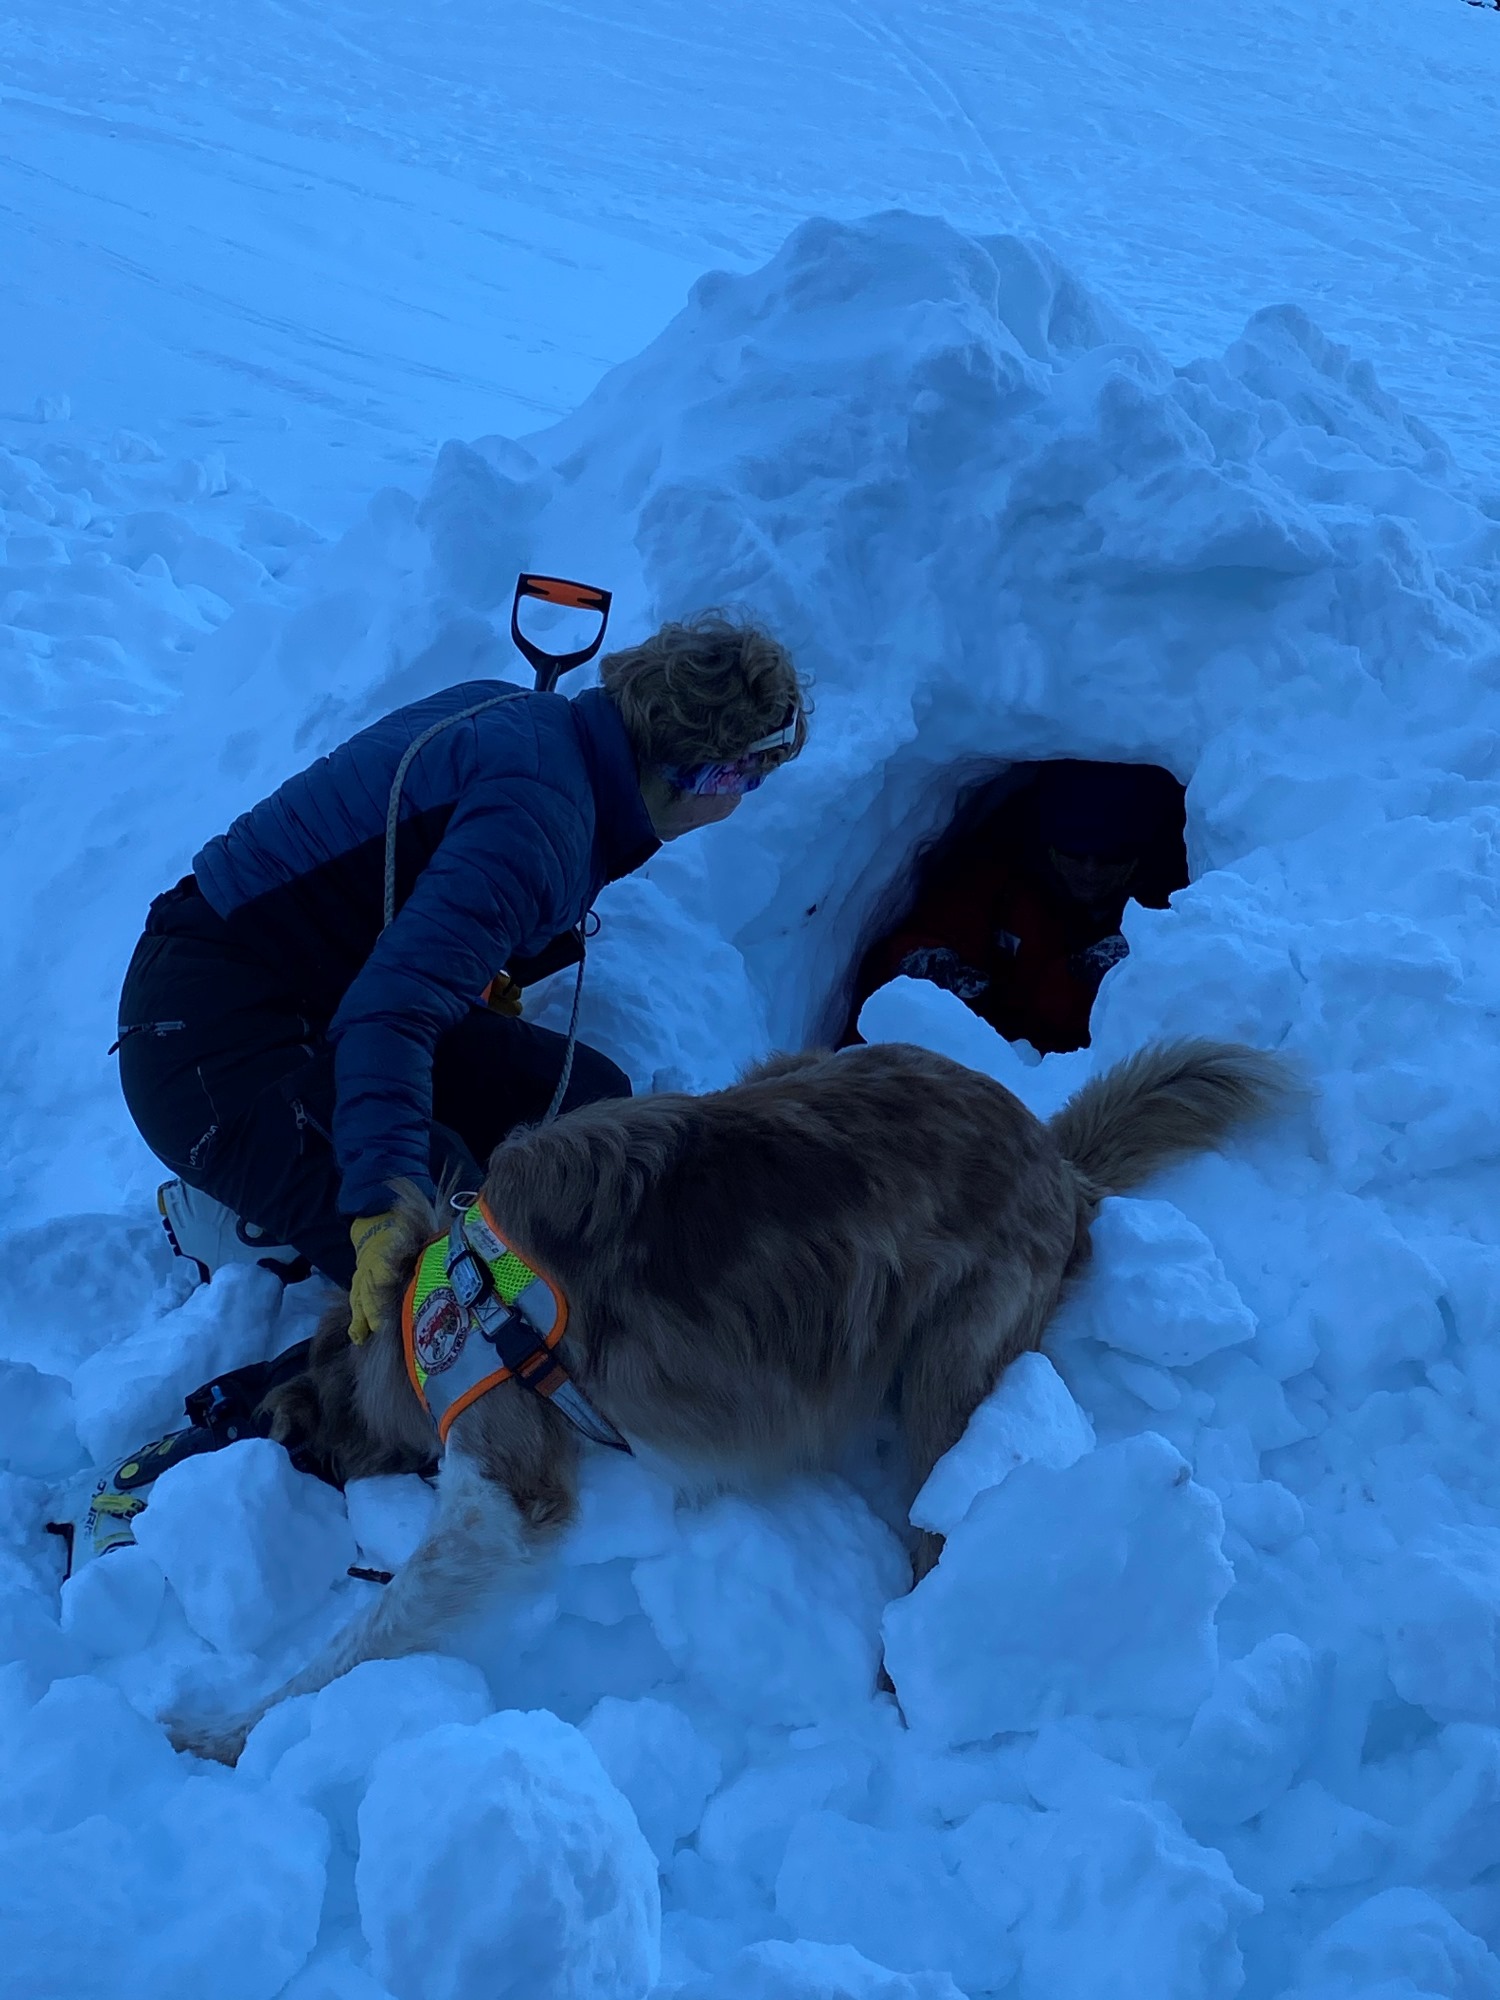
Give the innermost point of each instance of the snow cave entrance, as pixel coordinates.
(1016, 907)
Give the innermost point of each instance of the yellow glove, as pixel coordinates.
(502, 995)
(375, 1239)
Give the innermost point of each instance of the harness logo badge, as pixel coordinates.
(438, 1333)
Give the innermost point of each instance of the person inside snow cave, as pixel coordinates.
(293, 1056)
(1022, 919)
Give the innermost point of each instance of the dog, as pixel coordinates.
(751, 1276)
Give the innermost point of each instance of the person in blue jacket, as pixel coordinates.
(292, 1053)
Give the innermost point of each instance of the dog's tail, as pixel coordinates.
(1167, 1101)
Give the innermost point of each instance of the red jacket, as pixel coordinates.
(1014, 943)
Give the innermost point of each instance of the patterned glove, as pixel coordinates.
(375, 1239)
(946, 969)
(1091, 964)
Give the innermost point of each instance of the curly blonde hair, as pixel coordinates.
(703, 689)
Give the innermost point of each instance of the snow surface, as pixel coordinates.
(1204, 1696)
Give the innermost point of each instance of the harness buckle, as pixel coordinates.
(466, 1274)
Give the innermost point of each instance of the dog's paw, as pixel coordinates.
(217, 1742)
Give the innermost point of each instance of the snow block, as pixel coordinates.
(804, 1971)
(82, 1750)
(1157, 1289)
(112, 1607)
(1126, 1904)
(498, 1859)
(1442, 1624)
(1089, 1589)
(389, 1516)
(248, 1544)
(746, 1826)
(1028, 1418)
(652, 1752)
(1401, 1941)
(1457, 1834)
(217, 1890)
(898, 1898)
(1372, 1304)
(362, 1713)
(1248, 1739)
(37, 1437)
(132, 1391)
(1312, 1840)
(771, 1609)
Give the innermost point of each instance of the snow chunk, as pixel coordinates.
(1028, 1418)
(1092, 1588)
(248, 1544)
(499, 1859)
(1458, 1831)
(112, 1607)
(218, 1890)
(133, 1390)
(82, 1750)
(389, 1516)
(625, 1509)
(1126, 1904)
(803, 1971)
(659, 1761)
(898, 1898)
(1249, 1737)
(1442, 1624)
(1158, 1290)
(351, 1721)
(772, 1609)
(37, 1437)
(1311, 1840)
(1401, 1942)
(746, 1826)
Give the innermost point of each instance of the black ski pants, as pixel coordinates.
(230, 1083)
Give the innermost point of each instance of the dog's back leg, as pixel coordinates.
(954, 1357)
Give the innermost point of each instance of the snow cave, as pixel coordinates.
(1016, 907)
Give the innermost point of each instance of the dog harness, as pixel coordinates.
(476, 1314)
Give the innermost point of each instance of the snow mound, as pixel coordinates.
(498, 1858)
(1201, 1695)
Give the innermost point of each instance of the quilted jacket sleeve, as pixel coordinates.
(511, 867)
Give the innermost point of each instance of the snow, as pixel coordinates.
(1158, 424)
(247, 1544)
(496, 1856)
(1088, 1589)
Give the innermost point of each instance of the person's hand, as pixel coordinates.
(946, 969)
(503, 995)
(1090, 965)
(376, 1240)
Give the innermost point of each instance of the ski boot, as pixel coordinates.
(209, 1235)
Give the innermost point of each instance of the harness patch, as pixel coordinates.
(438, 1333)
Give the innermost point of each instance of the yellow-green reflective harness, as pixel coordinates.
(477, 1314)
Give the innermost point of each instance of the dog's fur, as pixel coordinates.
(751, 1276)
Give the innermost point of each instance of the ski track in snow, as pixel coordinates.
(1202, 1699)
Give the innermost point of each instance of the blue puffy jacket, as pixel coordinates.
(511, 823)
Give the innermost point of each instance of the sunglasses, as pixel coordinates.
(738, 775)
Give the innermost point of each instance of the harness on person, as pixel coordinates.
(477, 1314)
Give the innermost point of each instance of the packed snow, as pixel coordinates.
(1203, 1698)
